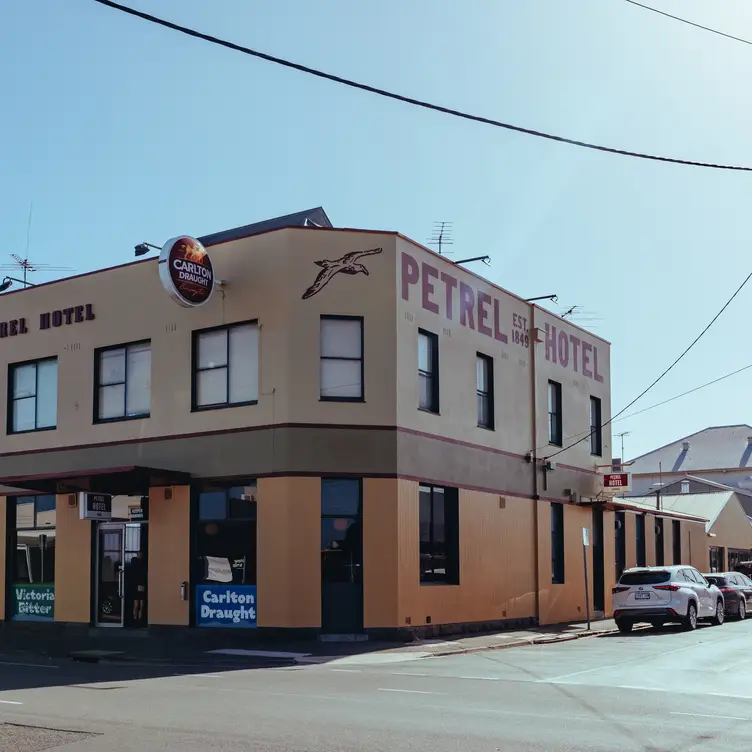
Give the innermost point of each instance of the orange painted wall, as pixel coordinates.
(72, 564)
(497, 562)
(3, 539)
(289, 553)
(169, 555)
(630, 524)
(609, 557)
(380, 552)
(650, 540)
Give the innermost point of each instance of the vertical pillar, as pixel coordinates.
(3, 553)
(609, 557)
(72, 564)
(169, 555)
(630, 540)
(289, 552)
(650, 540)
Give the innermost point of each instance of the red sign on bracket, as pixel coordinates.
(616, 480)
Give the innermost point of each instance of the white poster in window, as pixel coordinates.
(218, 570)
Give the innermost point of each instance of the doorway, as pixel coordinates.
(341, 556)
(121, 574)
(599, 584)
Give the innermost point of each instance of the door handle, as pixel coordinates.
(120, 582)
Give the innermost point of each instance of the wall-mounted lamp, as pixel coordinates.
(143, 248)
(485, 259)
(8, 282)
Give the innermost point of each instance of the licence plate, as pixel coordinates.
(642, 596)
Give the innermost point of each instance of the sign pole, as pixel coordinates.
(585, 544)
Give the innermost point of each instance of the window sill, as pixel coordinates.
(431, 583)
(31, 430)
(342, 399)
(555, 443)
(487, 428)
(556, 582)
(221, 406)
(430, 412)
(104, 421)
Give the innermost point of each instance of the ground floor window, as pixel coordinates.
(30, 544)
(735, 557)
(224, 571)
(439, 535)
(716, 559)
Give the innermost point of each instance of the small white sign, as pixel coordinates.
(585, 537)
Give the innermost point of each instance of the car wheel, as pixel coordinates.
(624, 626)
(720, 614)
(742, 609)
(690, 621)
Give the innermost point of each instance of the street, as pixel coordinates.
(652, 690)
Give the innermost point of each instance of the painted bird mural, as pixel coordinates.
(348, 264)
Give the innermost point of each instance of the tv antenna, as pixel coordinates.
(24, 267)
(442, 235)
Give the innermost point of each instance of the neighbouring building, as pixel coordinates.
(722, 454)
(305, 428)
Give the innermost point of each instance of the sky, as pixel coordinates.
(119, 131)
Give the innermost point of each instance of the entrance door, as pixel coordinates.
(599, 585)
(110, 592)
(341, 556)
(121, 575)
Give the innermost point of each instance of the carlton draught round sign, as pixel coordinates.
(186, 271)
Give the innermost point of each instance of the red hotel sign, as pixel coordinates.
(616, 480)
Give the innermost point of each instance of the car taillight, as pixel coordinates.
(672, 588)
(619, 589)
(727, 590)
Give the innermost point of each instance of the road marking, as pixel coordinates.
(10, 702)
(346, 670)
(719, 717)
(208, 676)
(578, 673)
(481, 678)
(29, 665)
(410, 691)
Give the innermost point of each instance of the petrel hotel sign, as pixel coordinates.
(186, 271)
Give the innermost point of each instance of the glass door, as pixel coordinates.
(110, 554)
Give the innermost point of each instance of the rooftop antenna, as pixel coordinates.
(621, 436)
(442, 235)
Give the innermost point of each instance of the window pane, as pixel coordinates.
(25, 513)
(341, 549)
(426, 392)
(341, 378)
(212, 505)
(425, 350)
(340, 497)
(23, 414)
(111, 401)
(211, 387)
(112, 367)
(139, 380)
(481, 374)
(47, 394)
(212, 349)
(425, 518)
(24, 381)
(244, 363)
(341, 338)
(484, 411)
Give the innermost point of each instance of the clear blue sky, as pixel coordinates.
(120, 131)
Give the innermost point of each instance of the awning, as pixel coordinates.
(127, 481)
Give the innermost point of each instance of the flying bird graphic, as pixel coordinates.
(348, 264)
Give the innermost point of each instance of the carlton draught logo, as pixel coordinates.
(186, 271)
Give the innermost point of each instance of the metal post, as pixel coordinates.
(587, 593)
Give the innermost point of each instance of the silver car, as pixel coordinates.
(660, 595)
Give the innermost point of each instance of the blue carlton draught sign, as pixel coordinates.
(232, 606)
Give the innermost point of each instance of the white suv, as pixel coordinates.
(658, 595)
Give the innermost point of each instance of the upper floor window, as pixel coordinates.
(485, 390)
(428, 371)
(554, 413)
(123, 382)
(596, 429)
(226, 366)
(32, 396)
(342, 358)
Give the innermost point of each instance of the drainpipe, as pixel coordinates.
(536, 504)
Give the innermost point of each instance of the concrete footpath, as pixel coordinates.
(126, 646)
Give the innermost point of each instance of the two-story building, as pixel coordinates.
(297, 427)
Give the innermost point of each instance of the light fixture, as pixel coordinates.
(485, 259)
(143, 248)
(5, 284)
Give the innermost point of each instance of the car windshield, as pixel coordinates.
(644, 578)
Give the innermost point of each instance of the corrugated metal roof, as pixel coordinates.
(705, 505)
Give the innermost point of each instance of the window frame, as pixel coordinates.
(433, 374)
(558, 543)
(11, 399)
(98, 352)
(452, 536)
(488, 362)
(596, 431)
(558, 439)
(337, 317)
(195, 336)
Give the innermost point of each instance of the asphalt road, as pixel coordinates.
(648, 691)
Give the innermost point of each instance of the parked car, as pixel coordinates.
(736, 589)
(661, 595)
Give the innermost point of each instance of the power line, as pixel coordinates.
(409, 100)
(691, 23)
(645, 391)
